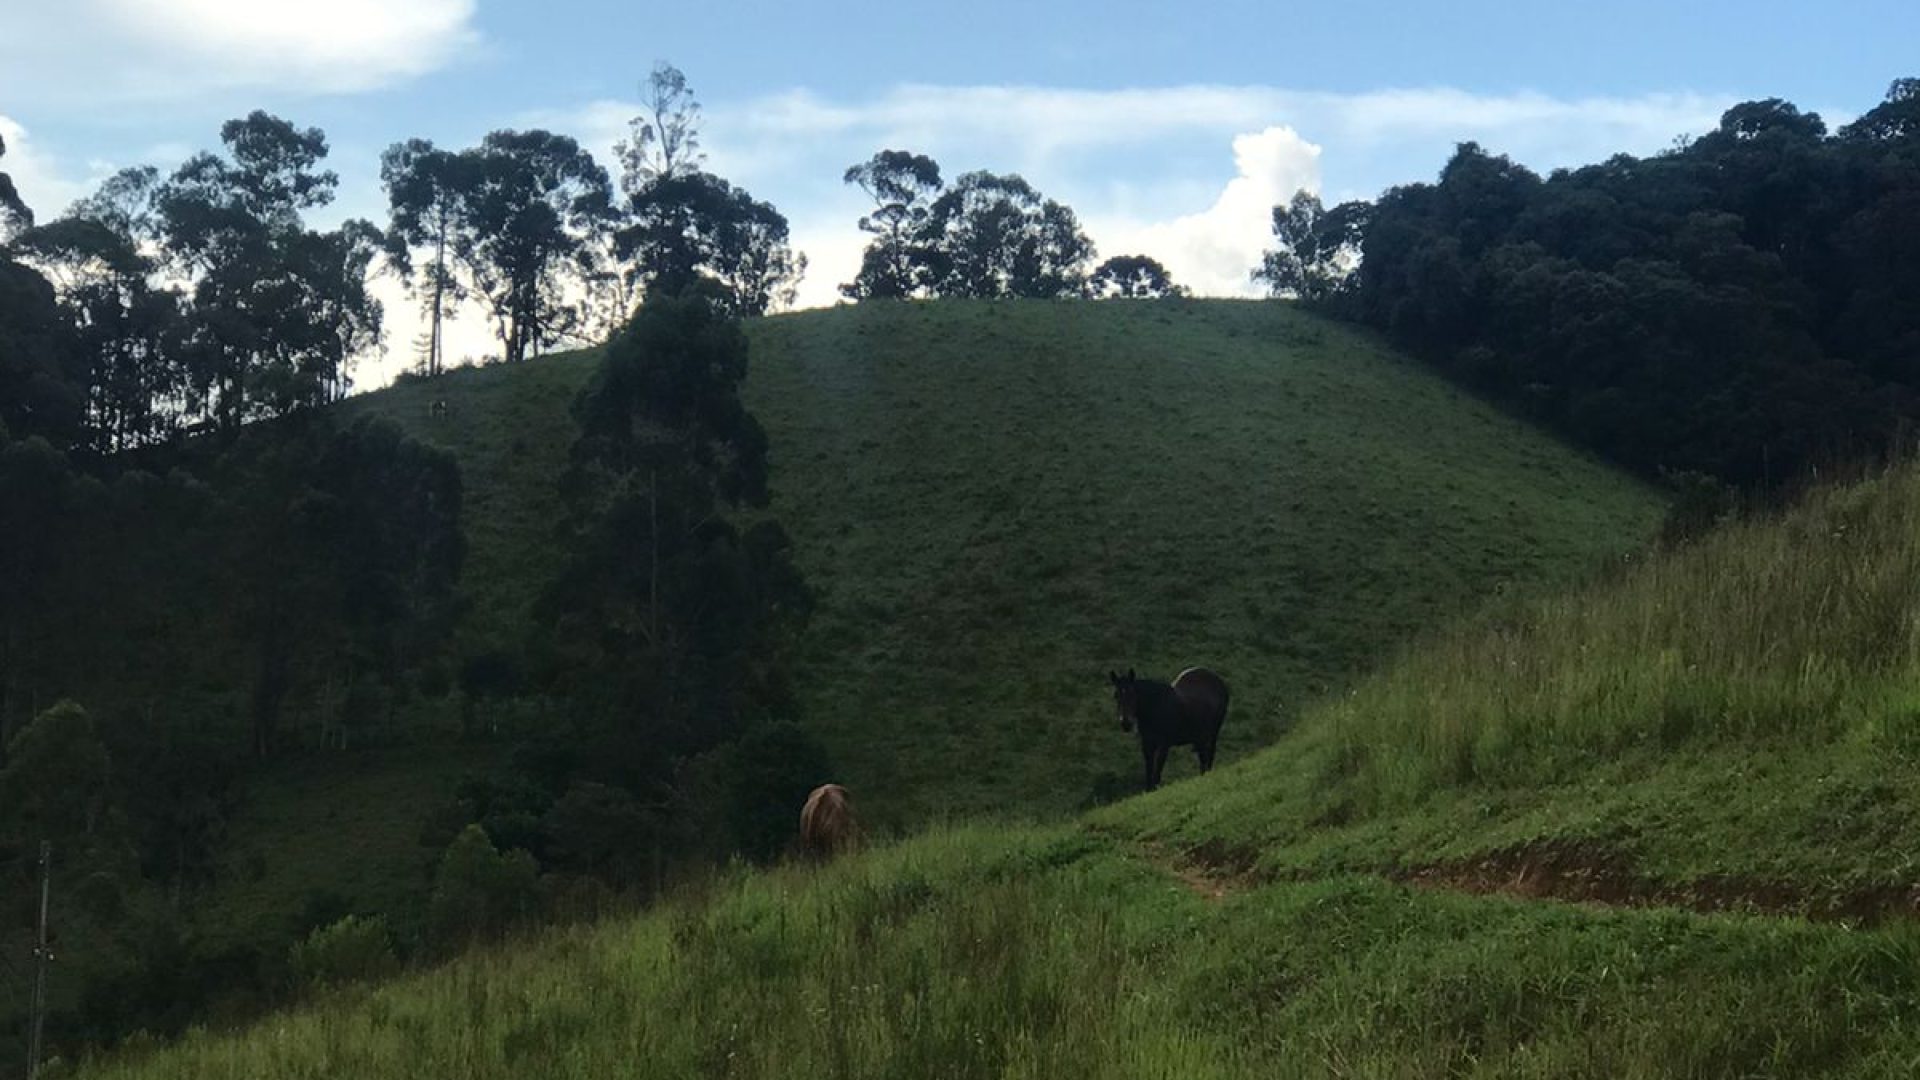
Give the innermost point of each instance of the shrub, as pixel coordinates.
(350, 950)
(767, 775)
(478, 891)
(601, 830)
(1700, 504)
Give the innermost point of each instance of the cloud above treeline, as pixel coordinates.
(1188, 175)
(40, 181)
(107, 51)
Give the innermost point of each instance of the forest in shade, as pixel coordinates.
(1740, 307)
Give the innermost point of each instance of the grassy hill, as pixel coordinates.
(1734, 726)
(1713, 754)
(998, 502)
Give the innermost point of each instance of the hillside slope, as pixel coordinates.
(1730, 729)
(998, 502)
(1733, 726)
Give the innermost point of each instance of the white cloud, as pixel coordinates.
(1035, 125)
(107, 50)
(44, 186)
(1211, 252)
(1146, 168)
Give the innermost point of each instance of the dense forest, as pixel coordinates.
(203, 569)
(1740, 307)
(207, 571)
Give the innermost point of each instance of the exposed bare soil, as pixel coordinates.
(1578, 872)
(1593, 873)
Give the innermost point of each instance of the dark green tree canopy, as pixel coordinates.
(1318, 251)
(1738, 307)
(696, 227)
(425, 188)
(38, 393)
(530, 206)
(1897, 117)
(995, 236)
(57, 782)
(273, 175)
(1132, 277)
(124, 331)
(211, 206)
(683, 226)
(278, 310)
(677, 597)
(902, 186)
(668, 395)
(124, 204)
(346, 545)
(1752, 119)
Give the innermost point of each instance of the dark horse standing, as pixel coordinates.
(1187, 713)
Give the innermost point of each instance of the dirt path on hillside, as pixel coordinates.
(1595, 875)
(1207, 871)
(1585, 874)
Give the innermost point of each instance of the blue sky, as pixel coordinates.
(1170, 128)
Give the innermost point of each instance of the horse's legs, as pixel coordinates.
(1159, 763)
(1146, 755)
(1205, 752)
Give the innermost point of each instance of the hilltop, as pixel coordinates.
(999, 501)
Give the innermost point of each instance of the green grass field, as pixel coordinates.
(1056, 953)
(1739, 721)
(1658, 823)
(999, 502)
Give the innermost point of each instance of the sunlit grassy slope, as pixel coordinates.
(1736, 725)
(1044, 955)
(1739, 721)
(998, 502)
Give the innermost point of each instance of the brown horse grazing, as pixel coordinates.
(827, 824)
(1187, 713)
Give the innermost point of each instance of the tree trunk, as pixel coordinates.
(6, 687)
(653, 552)
(439, 294)
(269, 688)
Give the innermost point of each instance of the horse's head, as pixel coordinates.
(1126, 697)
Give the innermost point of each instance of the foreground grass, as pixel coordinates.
(1742, 715)
(1728, 726)
(998, 502)
(1055, 953)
